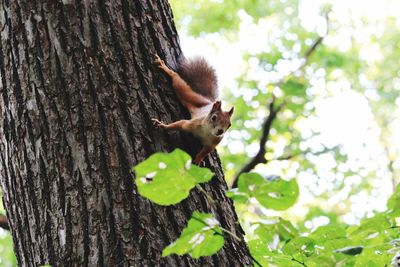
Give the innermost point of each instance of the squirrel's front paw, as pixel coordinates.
(199, 163)
(158, 61)
(158, 123)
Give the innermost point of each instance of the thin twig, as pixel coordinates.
(205, 193)
(260, 156)
(231, 234)
(222, 229)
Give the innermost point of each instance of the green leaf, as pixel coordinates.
(249, 182)
(237, 196)
(265, 233)
(299, 245)
(258, 249)
(370, 226)
(276, 194)
(167, 179)
(322, 260)
(328, 232)
(284, 229)
(201, 237)
(375, 256)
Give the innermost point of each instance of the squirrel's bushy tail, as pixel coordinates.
(200, 75)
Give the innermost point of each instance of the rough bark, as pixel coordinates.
(77, 91)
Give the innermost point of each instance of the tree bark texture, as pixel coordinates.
(77, 91)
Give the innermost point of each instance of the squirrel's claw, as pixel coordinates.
(200, 163)
(158, 123)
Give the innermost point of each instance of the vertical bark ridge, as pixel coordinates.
(4, 89)
(84, 220)
(46, 198)
(28, 183)
(67, 252)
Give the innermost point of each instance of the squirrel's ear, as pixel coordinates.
(216, 106)
(230, 112)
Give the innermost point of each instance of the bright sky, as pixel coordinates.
(343, 116)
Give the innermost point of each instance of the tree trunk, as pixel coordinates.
(78, 89)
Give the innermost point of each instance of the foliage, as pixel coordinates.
(172, 176)
(154, 176)
(276, 241)
(329, 245)
(202, 237)
(276, 193)
(343, 175)
(7, 256)
(223, 16)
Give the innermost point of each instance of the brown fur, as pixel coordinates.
(208, 121)
(200, 76)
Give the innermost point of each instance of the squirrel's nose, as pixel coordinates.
(220, 131)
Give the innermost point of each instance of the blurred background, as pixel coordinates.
(334, 65)
(330, 70)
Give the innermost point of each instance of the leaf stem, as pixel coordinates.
(222, 229)
(234, 236)
(205, 193)
(231, 234)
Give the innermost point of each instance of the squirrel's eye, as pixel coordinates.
(213, 118)
(229, 125)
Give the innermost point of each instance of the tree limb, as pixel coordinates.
(260, 156)
(316, 43)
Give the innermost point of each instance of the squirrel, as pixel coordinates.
(196, 86)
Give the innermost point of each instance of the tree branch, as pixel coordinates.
(260, 156)
(316, 43)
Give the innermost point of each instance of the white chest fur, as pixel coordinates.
(204, 133)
